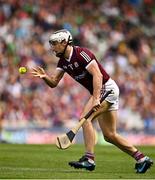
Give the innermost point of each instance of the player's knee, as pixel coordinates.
(110, 137)
(87, 125)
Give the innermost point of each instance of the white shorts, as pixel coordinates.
(114, 97)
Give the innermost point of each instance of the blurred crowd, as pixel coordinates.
(120, 33)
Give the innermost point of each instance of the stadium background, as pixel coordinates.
(120, 33)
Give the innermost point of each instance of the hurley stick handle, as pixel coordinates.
(81, 122)
(102, 99)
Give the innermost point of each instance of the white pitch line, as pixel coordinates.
(32, 169)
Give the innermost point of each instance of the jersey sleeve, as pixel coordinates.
(86, 57)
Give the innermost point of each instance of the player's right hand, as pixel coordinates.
(96, 104)
(39, 72)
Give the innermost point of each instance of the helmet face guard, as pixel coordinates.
(61, 54)
(59, 36)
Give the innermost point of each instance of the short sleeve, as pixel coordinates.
(86, 57)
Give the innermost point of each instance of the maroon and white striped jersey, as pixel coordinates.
(77, 65)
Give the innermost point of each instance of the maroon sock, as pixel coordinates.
(89, 155)
(138, 155)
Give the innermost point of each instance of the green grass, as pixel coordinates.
(47, 162)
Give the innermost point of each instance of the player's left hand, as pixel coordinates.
(39, 72)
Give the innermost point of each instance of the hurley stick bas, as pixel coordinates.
(65, 140)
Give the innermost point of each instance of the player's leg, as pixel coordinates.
(88, 130)
(107, 122)
(87, 160)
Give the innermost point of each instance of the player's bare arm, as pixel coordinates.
(51, 81)
(97, 82)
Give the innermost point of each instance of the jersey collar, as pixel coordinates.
(70, 55)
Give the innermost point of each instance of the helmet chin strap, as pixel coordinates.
(61, 54)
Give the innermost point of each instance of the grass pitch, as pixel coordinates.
(47, 162)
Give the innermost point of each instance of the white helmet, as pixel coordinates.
(61, 35)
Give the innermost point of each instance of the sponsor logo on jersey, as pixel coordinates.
(71, 66)
(80, 76)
